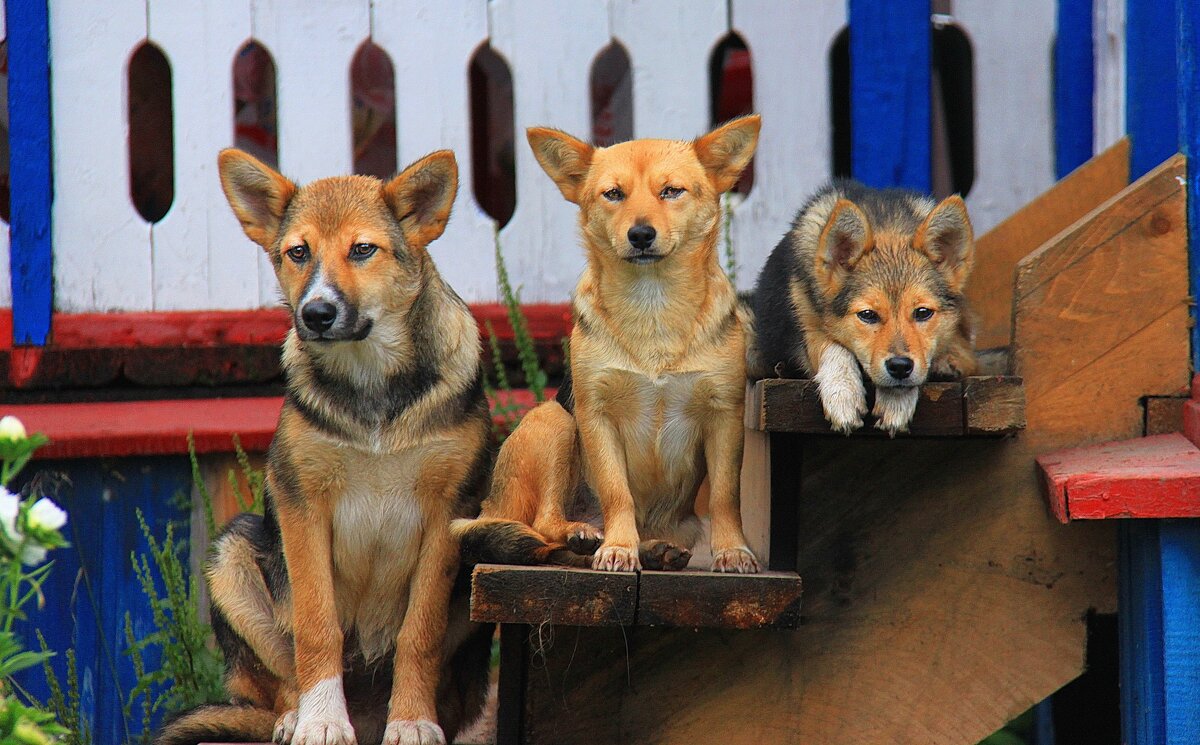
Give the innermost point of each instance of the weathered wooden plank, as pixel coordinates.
(1147, 477)
(993, 405)
(550, 595)
(990, 290)
(783, 38)
(703, 599)
(977, 406)
(1164, 414)
(1014, 128)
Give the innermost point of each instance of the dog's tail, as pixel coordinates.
(218, 723)
(492, 540)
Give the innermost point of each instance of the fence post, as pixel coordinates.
(889, 93)
(1074, 86)
(30, 175)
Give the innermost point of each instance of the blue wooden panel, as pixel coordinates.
(1140, 618)
(1188, 106)
(92, 584)
(1150, 83)
(1074, 86)
(1179, 543)
(30, 174)
(889, 92)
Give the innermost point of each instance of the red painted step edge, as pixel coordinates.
(1149, 477)
(97, 430)
(546, 322)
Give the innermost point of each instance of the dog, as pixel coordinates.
(654, 400)
(340, 611)
(867, 280)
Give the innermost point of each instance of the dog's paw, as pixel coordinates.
(419, 732)
(840, 387)
(583, 539)
(285, 728)
(894, 408)
(321, 731)
(616, 559)
(738, 560)
(663, 555)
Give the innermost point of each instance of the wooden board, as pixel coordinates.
(583, 597)
(941, 600)
(1164, 414)
(997, 252)
(993, 405)
(1148, 477)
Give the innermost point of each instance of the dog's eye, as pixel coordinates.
(298, 254)
(868, 316)
(363, 250)
(922, 314)
(614, 194)
(671, 192)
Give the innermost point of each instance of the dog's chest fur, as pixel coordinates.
(376, 532)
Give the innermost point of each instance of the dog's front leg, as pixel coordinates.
(606, 468)
(321, 716)
(412, 711)
(841, 389)
(723, 455)
(894, 408)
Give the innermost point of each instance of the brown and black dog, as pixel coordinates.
(654, 401)
(334, 609)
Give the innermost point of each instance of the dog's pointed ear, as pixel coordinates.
(257, 193)
(726, 151)
(563, 157)
(422, 195)
(947, 238)
(844, 240)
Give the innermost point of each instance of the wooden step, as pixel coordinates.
(976, 406)
(1148, 477)
(583, 597)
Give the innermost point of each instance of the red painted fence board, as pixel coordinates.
(1149, 477)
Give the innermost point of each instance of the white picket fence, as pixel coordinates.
(107, 258)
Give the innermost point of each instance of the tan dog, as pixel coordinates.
(656, 390)
(343, 588)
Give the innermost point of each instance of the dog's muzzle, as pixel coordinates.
(641, 240)
(321, 320)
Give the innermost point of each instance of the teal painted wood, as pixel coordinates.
(1074, 86)
(92, 585)
(890, 127)
(30, 179)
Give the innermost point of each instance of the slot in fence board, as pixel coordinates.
(976, 406)
(583, 597)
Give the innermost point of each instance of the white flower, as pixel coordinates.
(46, 515)
(11, 428)
(10, 505)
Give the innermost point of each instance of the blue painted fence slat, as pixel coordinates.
(1179, 542)
(1188, 107)
(1074, 86)
(889, 92)
(30, 177)
(1139, 597)
(92, 585)
(1150, 82)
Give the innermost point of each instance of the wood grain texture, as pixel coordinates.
(583, 597)
(990, 405)
(997, 252)
(941, 599)
(1146, 477)
(550, 595)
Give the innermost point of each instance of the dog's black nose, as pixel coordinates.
(899, 367)
(641, 236)
(318, 315)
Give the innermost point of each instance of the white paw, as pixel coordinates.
(616, 559)
(737, 560)
(420, 732)
(323, 732)
(840, 386)
(285, 728)
(894, 408)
